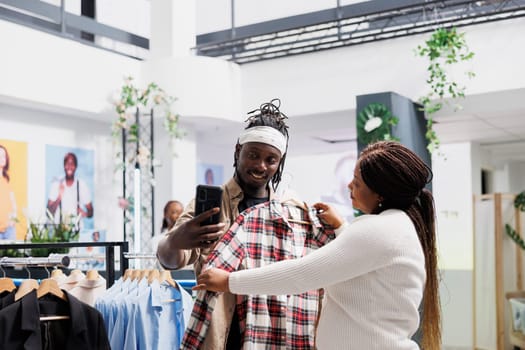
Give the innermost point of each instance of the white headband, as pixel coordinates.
(264, 134)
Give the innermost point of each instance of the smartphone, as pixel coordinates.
(207, 197)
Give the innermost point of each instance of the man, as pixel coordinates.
(258, 161)
(257, 165)
(69, 198)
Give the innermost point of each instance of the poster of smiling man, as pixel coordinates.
(69, 186)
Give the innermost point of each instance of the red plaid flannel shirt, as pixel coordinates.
(261, 235)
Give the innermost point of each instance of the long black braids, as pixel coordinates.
(268, 114)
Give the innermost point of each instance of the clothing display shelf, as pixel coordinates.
(109, 256)
(498, 268)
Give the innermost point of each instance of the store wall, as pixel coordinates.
(516, 177)
(203, 86)
(45, 70)
(39, 128)
(39, 68)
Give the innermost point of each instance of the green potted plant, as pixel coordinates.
(374, 123)
(52, 233)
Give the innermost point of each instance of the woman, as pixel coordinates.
(7, 199)
(172, 211)
(377, 271)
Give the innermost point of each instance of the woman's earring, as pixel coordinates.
(380, 205)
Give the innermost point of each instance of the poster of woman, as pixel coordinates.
(13, 190)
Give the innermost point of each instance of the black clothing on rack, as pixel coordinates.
(7, 298)
(21, 327)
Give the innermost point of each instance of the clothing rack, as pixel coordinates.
(129, 255)
(147, 256)
(186, 283)
(109, 247)
(51, 260)
(81, 256)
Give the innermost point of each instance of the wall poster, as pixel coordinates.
(209, 174)
(69, 180)
(13, 189)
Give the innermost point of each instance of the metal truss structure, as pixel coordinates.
(350, 25)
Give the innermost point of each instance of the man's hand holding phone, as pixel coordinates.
(204, 229)
(211, 232)
(192, 234)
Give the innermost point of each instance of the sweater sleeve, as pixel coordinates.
(364, 246)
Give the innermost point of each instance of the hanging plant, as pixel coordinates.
(374, 123)
(519, 203)
(445, 47)
(128, 100)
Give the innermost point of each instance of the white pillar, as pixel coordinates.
(173, 28)
(172, 36)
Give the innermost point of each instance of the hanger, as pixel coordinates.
(143, 273)
(27, 286)
(50, 286)
(53, 318)
(57, 273)
(76, 272)
(165, 276)
(296, 221)
(127, 274)
(153, 275)
(299, 222)
(6, 284)
(92, 275)
(135, 275)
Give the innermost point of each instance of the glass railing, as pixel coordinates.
(60, 21)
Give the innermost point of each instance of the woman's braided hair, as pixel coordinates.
(268, 114)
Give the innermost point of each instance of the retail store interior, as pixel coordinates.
(64, 64)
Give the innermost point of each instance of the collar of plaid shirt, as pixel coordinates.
(263, 235)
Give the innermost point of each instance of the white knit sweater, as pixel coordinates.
(373, 275)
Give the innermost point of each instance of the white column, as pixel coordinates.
(175, 178)
(173, 28)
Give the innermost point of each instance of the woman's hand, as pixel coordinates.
(328, 215)
(213, 279)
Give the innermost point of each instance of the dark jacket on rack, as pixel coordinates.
(7, 298)
(21, 327)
